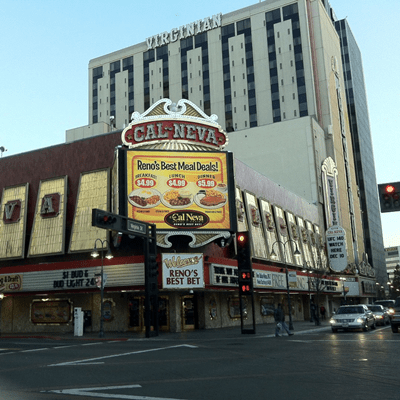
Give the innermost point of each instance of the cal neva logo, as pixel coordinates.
(186, 219)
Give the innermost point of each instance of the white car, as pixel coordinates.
(353, 317)
(381, 314)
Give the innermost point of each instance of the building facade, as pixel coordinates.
(357, 111)
(258, 93)
(197, 195)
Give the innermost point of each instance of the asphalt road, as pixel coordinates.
(314, 365)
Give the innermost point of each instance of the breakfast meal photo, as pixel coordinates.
(145, 198)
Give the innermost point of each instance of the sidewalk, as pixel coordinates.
(264, 330)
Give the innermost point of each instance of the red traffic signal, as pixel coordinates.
(242, 238)
(106, 220)
(243, 250)
(389, 189)
(389, 196)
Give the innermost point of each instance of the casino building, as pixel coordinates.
(285, 77)
(255, 138)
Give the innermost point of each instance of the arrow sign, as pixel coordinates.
(91, 392)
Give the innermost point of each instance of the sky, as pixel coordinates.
(46, 46)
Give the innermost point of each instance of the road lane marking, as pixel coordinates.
(89, 360)
(27, 351)
(89, 392)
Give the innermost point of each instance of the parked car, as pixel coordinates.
(353, 317)
(395, 318)
(381, 314)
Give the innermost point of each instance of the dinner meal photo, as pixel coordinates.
(210, 198)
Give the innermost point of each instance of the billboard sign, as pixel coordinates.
(181, 190)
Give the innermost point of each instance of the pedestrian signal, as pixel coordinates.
(246, 281)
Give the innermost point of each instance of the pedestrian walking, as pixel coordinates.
(322, 312)
(279, 316)
(313, 312)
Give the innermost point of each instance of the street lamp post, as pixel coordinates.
(296, 253)
(306, 271)
(343, 279)
(109, 255)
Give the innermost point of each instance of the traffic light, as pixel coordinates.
(153, 265)
(245, 281)
(389, 196)
(106, 220)
(243, 249)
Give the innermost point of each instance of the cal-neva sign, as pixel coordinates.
(166, 123)
(184, 31)
(182, 271)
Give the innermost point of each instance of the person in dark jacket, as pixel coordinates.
(279, 316)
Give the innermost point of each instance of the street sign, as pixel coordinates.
(136, 227)
(336, 246)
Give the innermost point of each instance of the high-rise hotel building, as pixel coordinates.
(357, 108)
(273, 74)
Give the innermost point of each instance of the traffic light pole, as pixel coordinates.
(151, 284)
(245, 278)
(114, 222)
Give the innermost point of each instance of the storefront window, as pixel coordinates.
(56, 311)
(234, 307)
(267, 306)
(213, 309)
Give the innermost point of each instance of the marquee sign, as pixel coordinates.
(336, 246)
(182, 271)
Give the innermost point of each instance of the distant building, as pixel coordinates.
(392, 258)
